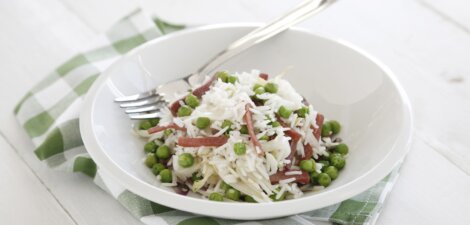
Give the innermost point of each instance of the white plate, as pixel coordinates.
(339, 80)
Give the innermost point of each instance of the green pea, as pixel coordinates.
(264, 138)
(337, 160)
(145, 125)
(282, 197)
(203, 122)
(157, 168)
(302, 112)
(284, 112)
(275, 124)
(256, 86)
(150, 160)
(214, 196)
(314, 177)
(307, 165)
(150, 147)
(271, 87)
(260, 90)
(185, 160)
(154, 121)
(223, 75)
(165, 176)
(335, 126)
(248, 198)
(232, 79)
(326, 130)
(239, 148)
(342, 149)
(227, 123)
(244, 129)
(332, 172)
(324, 179)
(184, 111)
(163, 152)
(192, 101)
(196, 177)
(224, 186)
(325, 163)
(232, 194)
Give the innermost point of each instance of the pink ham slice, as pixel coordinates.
(264, 76)
(295, 136)
(198, 92)
(202, 141)
(303, 178)
(251, 129)
(308, 152)
(317, 131)
(162, 128)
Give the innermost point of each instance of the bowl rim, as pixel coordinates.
(245, 211)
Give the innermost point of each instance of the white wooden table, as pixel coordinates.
(426, 43)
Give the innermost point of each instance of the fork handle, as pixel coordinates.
(301, 12)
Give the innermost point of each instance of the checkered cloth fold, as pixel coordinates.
(49, 114)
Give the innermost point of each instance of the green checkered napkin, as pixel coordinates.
(49, 114)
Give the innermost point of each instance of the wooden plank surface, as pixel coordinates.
(24, 199)
(425, 47)
(40, 35)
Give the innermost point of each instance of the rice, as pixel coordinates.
(250, 172)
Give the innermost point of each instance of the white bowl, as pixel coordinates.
(341, 81)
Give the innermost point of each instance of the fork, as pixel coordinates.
(147, 105)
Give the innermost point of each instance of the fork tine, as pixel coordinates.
(147, 108)
(136, 97)
(147, 101)
(143, 116)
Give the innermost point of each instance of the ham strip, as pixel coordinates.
(303, 178)
(295, 137)
(162, 128)
(202, 141)
(181, 189)
(317, 131)
(198, 92)
(251, 129)
(308, 150)
(264, 76)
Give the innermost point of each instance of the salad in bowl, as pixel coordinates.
(243, 137)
